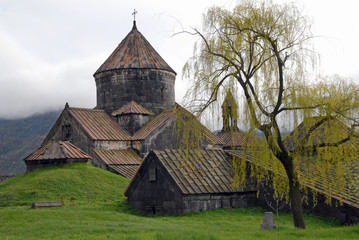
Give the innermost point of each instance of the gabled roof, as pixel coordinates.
(118, 157)
(134, 52)
(331, 131)
(98, 125)
(198, 172)
(131, 108)
(187, 116)
(123, 162)
(309, 176)
(162, 118)
(236, 139)
(153, 125)
(57, 150)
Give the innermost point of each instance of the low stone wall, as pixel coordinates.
(346, 213)
(5, 177)
(33, 165)
(196, 203)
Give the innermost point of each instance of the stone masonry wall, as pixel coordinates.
(153, 89)
(196, 203)
(76, 135)
(156, 192)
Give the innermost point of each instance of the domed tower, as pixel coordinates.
(135, 72)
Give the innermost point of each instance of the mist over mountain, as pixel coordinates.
(20, 137)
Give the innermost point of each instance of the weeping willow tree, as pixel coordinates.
(264, 52)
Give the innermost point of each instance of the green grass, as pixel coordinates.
(98, 211)
(79, 184)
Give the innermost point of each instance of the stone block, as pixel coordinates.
(268, 221)
(46, 204)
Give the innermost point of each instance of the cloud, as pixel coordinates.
(49, 49)
(30, 84)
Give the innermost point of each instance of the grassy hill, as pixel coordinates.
(80, 184)
(95, 208)
(19, 137)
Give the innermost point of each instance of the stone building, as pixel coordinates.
(55, 153)
(135, 110)
(134, 119)
(176, 182)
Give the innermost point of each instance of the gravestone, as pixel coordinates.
(268, 221)
(46, 204)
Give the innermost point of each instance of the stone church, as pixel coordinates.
(131, 133)
(135, 113)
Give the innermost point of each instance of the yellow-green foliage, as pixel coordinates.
(263, 52)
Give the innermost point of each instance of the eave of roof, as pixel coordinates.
(56, 150)
(123, 162)
(118, 157)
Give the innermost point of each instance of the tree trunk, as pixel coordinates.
(295, 197)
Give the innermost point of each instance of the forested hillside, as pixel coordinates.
(20, 137)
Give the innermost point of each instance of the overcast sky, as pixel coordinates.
(49, 49)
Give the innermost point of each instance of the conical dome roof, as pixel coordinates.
(134, 52)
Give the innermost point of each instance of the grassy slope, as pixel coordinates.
(82, 183)
(98, 211)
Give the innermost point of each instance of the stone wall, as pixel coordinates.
(76, 135)
(34, 164)
(161, 139)
(345, 212)
(109, 145)
(153, 89)
(154, 191)
(195, 203)
(132, 122)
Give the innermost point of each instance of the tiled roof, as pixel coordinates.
(199, 171)
(158, 121)
(131, 108)
(99, 125)
(330, 131)
(127, 171)
(134, 52)
(153, 125)
(187, 116)
(111, 157)
(343, 191)
(124, 162)
(235, 139)
(57, 150)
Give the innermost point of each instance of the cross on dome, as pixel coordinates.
(134, 14)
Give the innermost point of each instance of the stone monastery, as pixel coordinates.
(131, 133)
(134, 114)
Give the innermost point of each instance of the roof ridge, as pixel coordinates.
(131, 107)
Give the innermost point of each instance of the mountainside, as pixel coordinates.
(20, 137)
